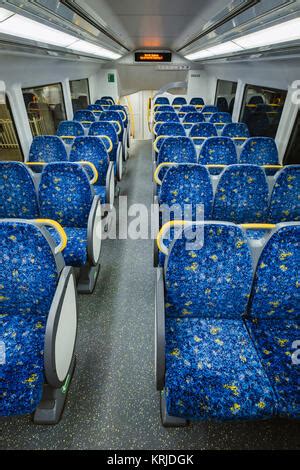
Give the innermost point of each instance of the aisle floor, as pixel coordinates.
(112, 402)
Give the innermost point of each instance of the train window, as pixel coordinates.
(262, 109)
(225, 95)
(292, 155)
(45, 108)
(10, 148)
(80, 93)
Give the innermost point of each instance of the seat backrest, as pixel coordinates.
(209, 109)
(47, 148)
(165, 108)
(65, 194)
(162, 100)
(242, 195)
(221, 118)
(171, 128)
(285, 197)
(260, 151)
(236, 129)
(179, 101)
(91, 149)
(188, 108)
(69, 128)
(95, 107)
(112, 116)
(166, 117)
(84, 116)
(120, 107)
(197, 101)
(108, 98)
(275, 292)
(218, 150)
(203, 130)
(103, 102)
(188, 184)
(193, 117)
(28, 274)
(213, 281)
(18, 198)
(104, 128)
(177, 150)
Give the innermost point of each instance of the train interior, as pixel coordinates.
(149, 225)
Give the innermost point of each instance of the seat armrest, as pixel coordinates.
(119, 160)
(94, 231)
(155, 230)
(160, 342)
(110, 186)
(61, 330)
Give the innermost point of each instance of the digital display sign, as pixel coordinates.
(153, 56)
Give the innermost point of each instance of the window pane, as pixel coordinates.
(80, 94)
(225, 95)
(45, 108)
(262, 109)
(9, 143)
(292, 155)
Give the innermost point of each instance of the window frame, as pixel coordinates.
(88, 87)
(217, 86)
(246, 86)
(9, 108)
(291, 140)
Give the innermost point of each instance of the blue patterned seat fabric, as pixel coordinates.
(70, 128)
(170, 129)
(193, 118)
(179, 101)
(18, 198)
(188, 108)
(95, 107)
(209, 110)
(109, 99)
(103, 102)
(197, 101)
(176, 150)
(162, 100)
(120, 107)
(285, 197)
(47, 148)
(165, 108)
(190, 184)
(260, 151)
(203, 130)
(28, 279)
(212, 368)
(92, 149)
(113, 116)
(220, 119)
(242, 195)
(236, 129)
(84, 116)
(106, 128)
(218, 150)
(169, 116)
(65, 195)
(274, 319)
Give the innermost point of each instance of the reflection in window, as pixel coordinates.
(225, 96)
(9, 144)
(292, 155)
(262, 109)
(45, 108)
(80, 94)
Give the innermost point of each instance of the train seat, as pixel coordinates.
(66, 195)
(274, 320)
(38, 322)
(285, 196)
(192, 118)
(167, 129)
(218, 151)
(208, 111)
(103, 103)
(242, 195)
(220, 119)
(161, 100)
(166, 116)
(68, 130)
(176, 149)
(18, 196)
(92, 149)
(164, 108)
(187, 108)
(211, 369)
(179, 101)
(85, 117)
(109, 99)
(47, 148)
(260, 151)
(106, 129)
(195, 101)
(201, 131)
(238, 131)
(116, 118)
(95, 108)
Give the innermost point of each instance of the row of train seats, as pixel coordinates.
(227, 280)
(54, 209)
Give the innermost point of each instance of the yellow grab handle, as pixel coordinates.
(86, 122)
(258, 226)
(157, 170)
(94, 169)
(68, 136)
(119, 126)
(239, 138)
(216, 165)
(167, 226)
(155, 125)
(60, 231)
(109, 140)
(273, 167)
(121, 111)
(157, 140)
(35, 163)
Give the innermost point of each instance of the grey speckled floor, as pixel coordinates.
(112, 403)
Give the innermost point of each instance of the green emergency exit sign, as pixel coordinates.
(111, 77)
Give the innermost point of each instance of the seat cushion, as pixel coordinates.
(213, 372)
(101, 192)
(75, 253)
(275, 341)
(21, 362)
